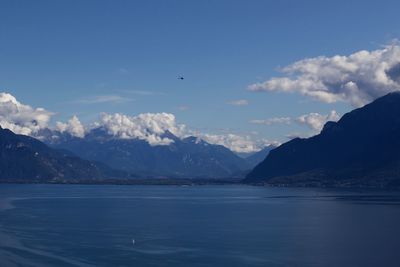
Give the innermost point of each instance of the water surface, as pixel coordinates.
(73, 225)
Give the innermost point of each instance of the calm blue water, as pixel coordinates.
(70, 225)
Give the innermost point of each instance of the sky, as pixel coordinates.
(264, 71)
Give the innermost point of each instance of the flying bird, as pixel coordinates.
(181, 78)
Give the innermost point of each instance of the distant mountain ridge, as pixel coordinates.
(255, 158)
(190, 157)
(362, 148)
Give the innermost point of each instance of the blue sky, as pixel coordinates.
(86, 57)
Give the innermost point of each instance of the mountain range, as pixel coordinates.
(189, 157)
(361, 149)
(99, 155)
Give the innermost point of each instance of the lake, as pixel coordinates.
(232, 225)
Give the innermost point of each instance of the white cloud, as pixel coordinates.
(239, 102)
(358, 78)
(151, 127)
(313, 120)
(147, 126)
(20, 118)
(183, 108)
(99, 99)
(277, 120)
(73, 127)
(236, 143)
(317, 121)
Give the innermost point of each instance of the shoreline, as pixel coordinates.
(198, 182)
(164, 181)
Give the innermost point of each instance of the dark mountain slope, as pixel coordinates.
(24, 158)
(362, 148)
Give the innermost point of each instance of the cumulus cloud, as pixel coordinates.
(147, 126)
(73, 127)
(313, 120)
(20, 118)
(239, 102)
(316, 121)
(152, 128)
(357, 78)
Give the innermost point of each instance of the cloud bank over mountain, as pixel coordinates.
(20, 118)
(147, 126)
(151, 127)
(237, 143)
(73, 126)
(357, 79)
